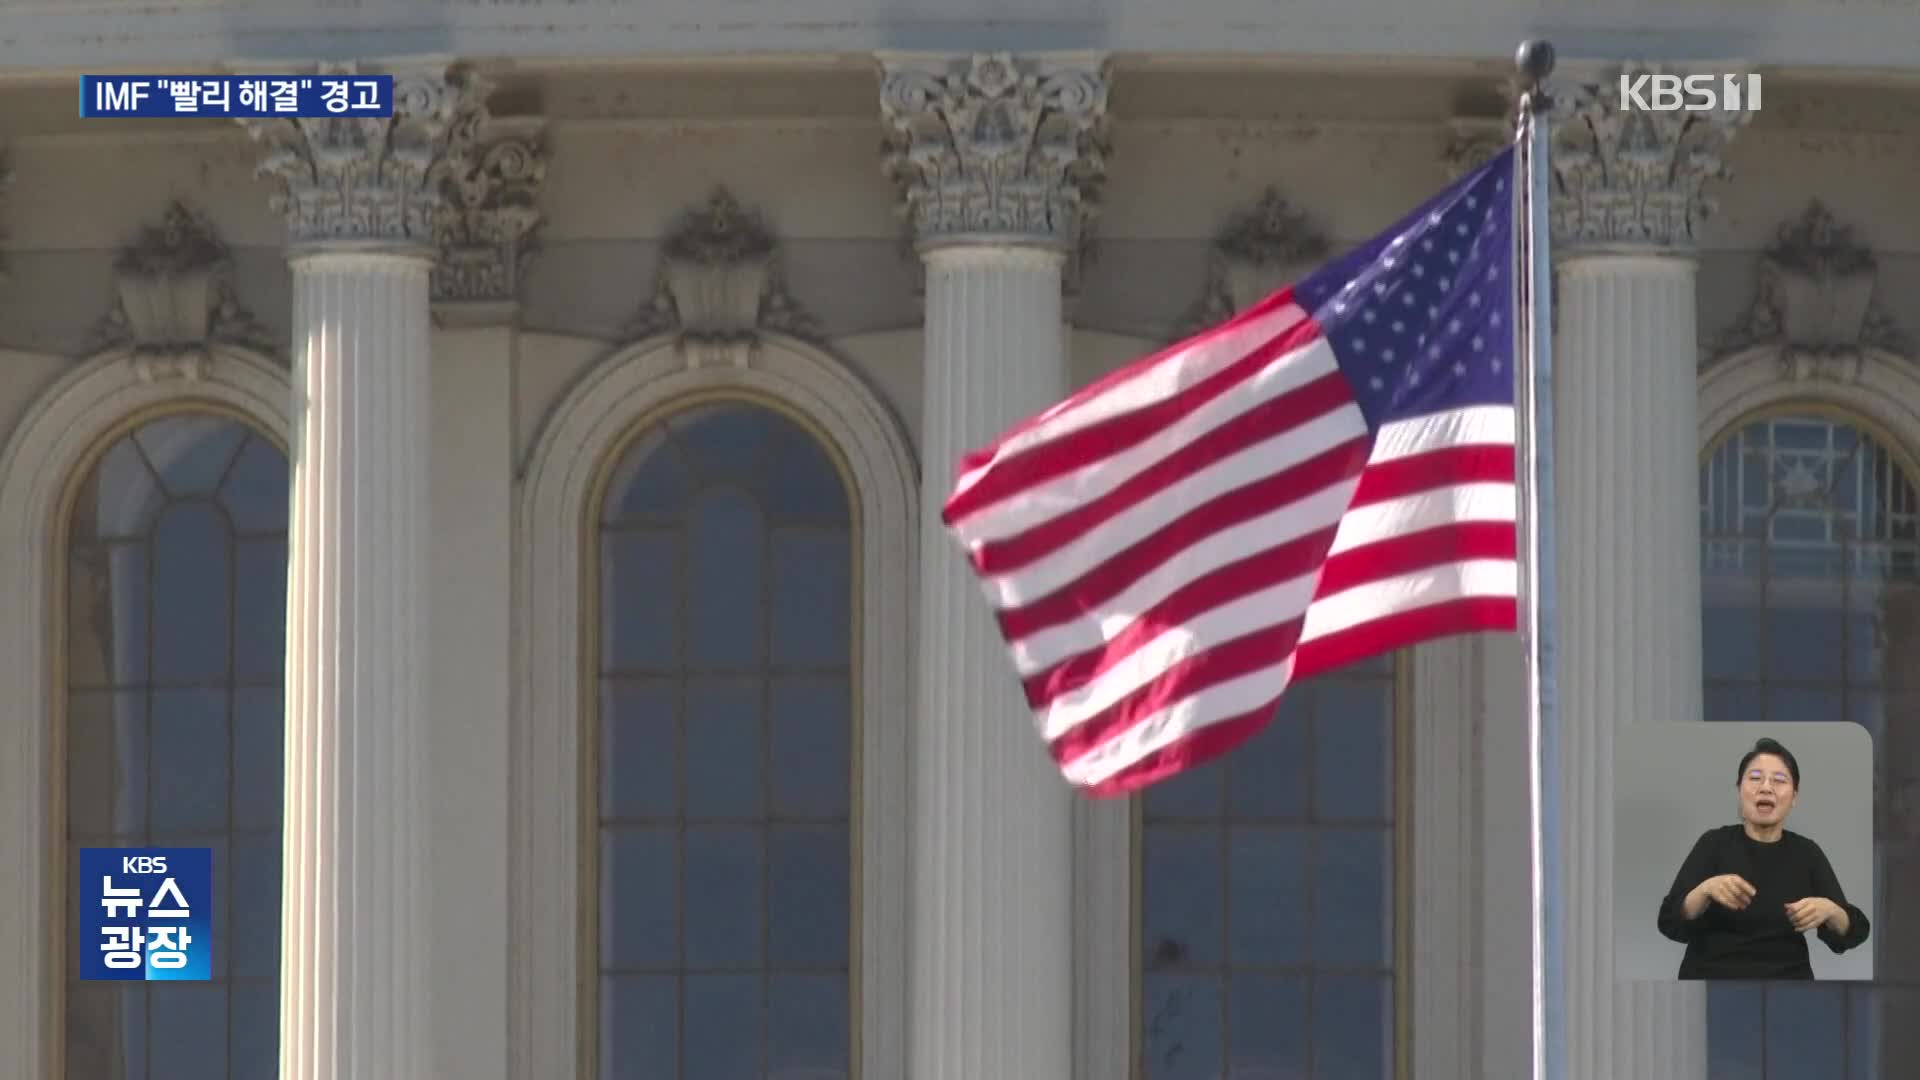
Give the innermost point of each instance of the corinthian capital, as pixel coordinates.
(996, 147)
(487, 221)
(371, 181)
(1634, 179)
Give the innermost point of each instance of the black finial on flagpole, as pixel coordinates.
(1534, 58)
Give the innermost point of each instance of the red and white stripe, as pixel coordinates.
(1169, 549)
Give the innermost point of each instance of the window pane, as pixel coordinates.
(1266, 908)
(1821, 602)
(736, 747)
(1183, 1039)
(1269, 1021)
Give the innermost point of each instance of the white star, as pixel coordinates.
(1478, 343)
(1339, 305)
(1426, 245)
(1433, 218)
(1398, 326)
(1460, 229)
(1367, 316)
(1496, 365)
(1453, 257)
(1386, 354)
(1434, 353)
(1473, 203)
(1500, 185)
(1413, 379)
(1494, 320)
(1453, 326)
(1379, 288)
(1459, 368)
(1445, 284)
(1407, 299)
(1418, 270)
(1432, 312)
(1473, 299)
(1376, 383)
(1359, 344)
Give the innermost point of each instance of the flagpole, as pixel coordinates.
(1535, 61)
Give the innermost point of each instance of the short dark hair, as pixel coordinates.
(1768, 746)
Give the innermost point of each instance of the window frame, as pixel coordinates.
(62, 432)
(588, 781)
(1879, 396)
(553, 668)
(60, 889)
(1401, 680)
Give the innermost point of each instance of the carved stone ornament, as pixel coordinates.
(489, 217)
(721, 282)
(993, 148)
(1255, 252)
(1633, 180)
(1473, 142)
(175, 298)
(1815, 302)
(371, 182)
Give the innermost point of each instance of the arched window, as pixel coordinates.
(722, 763)
(1811, 581)
(1268, 918)
(176, 579)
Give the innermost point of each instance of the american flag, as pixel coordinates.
(1326, 477)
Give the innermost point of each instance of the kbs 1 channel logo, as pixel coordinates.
(146, 914)
(1650, 92)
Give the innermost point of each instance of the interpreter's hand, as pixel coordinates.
(1730, 891)
(1812, 912)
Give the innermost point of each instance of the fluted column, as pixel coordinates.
(1629, 528)
(360, 197)
(995, 158)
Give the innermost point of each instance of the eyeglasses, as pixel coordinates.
(1779, 779)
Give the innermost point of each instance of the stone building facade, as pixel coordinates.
(507, 534)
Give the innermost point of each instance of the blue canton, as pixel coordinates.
(1422, 317)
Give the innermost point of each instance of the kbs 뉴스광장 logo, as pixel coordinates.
(146, 914)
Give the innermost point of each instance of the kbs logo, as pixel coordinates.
(1647, 92)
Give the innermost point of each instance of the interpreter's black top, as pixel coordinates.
(1758, 942)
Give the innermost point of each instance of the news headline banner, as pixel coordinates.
(146, 914)
(291, 96)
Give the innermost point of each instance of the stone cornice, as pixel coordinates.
(372, 182)
(1633, 180)
(996, 147)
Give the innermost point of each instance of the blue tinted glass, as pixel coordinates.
(638, 722)
(723, 748)
(807, 897)
(1269, 892)
(723, 1027)
(724, 443)
(259, 757)
(1806, 1030)
(191, 453)
(725, 629)
(1353, 898)
(807, 1024)
(192, 568)
(253, 1038)
(722, 903)
(1194, 794)
(260, 610)
(1353, 750)
(254, 907)
(811, 759)
(1268, 1017)
(187, 1039)
(108, 639)
(1183, 1017)
(1272, 773)
(1182, 896)
(256, 492)
(812, 591)
(188, 755)
(639, 899)
(801, 479)
(1353, 1027)
(650, 480)
(640, 600)
(639, 1026)
(121, 497)
(1734, 1047)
